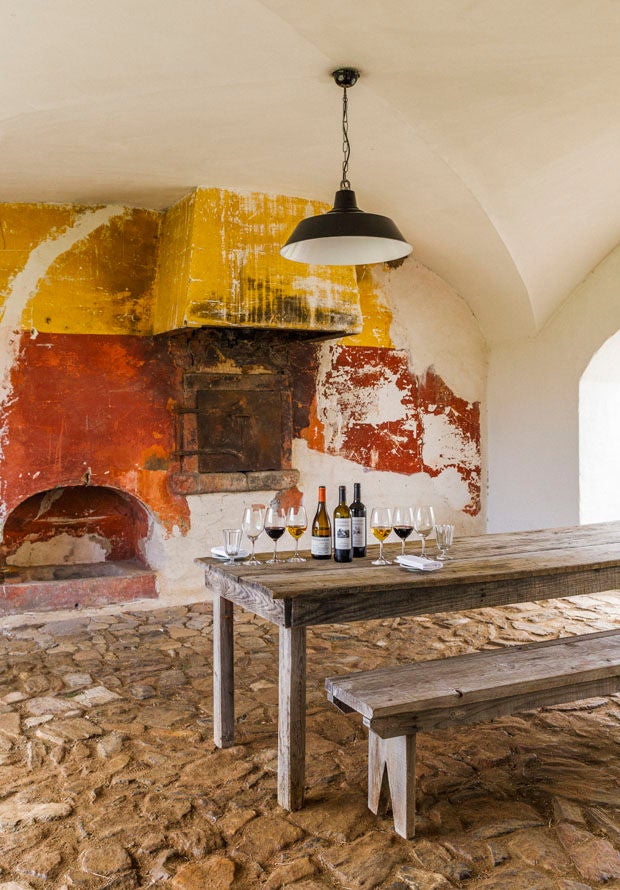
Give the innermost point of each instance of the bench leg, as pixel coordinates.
(391, 773)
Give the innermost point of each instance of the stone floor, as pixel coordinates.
(109, 777)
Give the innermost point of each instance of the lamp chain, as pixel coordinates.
(346, 145)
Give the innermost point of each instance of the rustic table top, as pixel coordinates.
(480, 558)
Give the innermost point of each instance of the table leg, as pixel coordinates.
(292, 718)
(223, 673)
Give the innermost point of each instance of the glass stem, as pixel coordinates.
(253, 540)
(402, 553)
(423, 545)
(275, 550)
(380, 549)
(296, 547)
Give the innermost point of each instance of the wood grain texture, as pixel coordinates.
(481, 685)
(478, 712)
(526, 565)
(391, 774)
(487, 570)
(292, 718)
(223, 674)
(253, 596)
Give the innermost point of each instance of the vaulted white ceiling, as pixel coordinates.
(488, 129)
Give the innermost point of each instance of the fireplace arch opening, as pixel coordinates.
(76, 524)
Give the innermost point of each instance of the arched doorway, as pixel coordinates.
(599, 435)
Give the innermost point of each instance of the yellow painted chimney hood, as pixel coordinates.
(219, 265)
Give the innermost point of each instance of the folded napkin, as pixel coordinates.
(419, 562)
(220, 553)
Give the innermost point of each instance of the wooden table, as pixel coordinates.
(487, 570)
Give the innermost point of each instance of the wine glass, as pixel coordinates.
(423, 523)
(381, 526)
(232, 543)
(444, 535)
(275, 524)
(253, 524)
(296, 524)
(402, 518)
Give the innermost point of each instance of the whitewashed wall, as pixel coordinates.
(533, 408)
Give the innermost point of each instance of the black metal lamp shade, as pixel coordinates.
(345, 236)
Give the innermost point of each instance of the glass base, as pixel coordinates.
(296, 559)
(380, 562)
(253, 562)
(273, 561)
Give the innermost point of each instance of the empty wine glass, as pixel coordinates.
(444, 536)
(381, 526)
(253, 524)
(232, 544)
(424, 523)
(275, 524)
(402, 518)
(296, 524)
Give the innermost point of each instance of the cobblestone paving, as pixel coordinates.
(109, 777)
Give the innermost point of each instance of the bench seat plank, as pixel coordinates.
(480, 677)
(397, 702)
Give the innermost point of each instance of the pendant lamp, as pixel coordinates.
(345, 235)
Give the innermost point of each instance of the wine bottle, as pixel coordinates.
(358, 522)
(321, 543)
(343, 551)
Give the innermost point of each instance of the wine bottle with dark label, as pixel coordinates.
(343, 548)
(321, 542)
(358, 522)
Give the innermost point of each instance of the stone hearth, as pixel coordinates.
(34, 588)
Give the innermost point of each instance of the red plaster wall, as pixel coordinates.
(395, 446)
(92, 407)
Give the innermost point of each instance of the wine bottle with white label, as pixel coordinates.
(358, 522)
(321, 542)
(343, 550)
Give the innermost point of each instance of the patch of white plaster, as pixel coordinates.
(173, 557)
(447, 492)
(445, 445)
(61, 549)
(436, 327)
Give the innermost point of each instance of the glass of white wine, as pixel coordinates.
(253, 524)
(381, 526)
(296, 524)
(424, 523)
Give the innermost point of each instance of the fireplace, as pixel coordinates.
(235, 416)
(74, 546)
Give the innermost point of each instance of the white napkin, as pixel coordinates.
(419, 562)
(220, 553)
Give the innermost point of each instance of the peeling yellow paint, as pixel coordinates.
(376, 313)
(173, 270)
(220, 265)
(104, 284)
(211, 259)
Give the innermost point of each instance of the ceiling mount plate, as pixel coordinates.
(346, 77)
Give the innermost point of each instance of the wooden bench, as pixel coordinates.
(398, 702)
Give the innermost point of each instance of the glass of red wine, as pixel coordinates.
(402, 519)
(275, 525)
